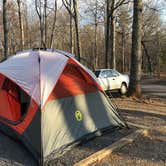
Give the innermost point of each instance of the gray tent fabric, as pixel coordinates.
(61, 125)
(61, 102)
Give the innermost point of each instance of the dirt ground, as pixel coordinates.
(144, 151)
(149, 112)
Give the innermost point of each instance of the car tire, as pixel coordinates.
(123, 89)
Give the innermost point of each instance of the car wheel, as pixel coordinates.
(123, 89)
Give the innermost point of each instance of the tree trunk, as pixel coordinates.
(41, 33)
(136, 52)
(71, 30)
(75, 5)
(5, 28)
(21, 25)
(112, 43)
(45, 23)
(96, 26)
(39, 13)
(123, 50)
(12, 41)
(158, 55)
(27, 31)
(148, 58)
(53, 26)
(112, 57)
(107, 33)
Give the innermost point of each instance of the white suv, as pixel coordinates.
(110, 79)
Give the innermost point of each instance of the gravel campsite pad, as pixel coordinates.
(144, 151)
(84, 150)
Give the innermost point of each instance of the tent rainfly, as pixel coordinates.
(48, 101)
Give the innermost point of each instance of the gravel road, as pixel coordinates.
(155, 88)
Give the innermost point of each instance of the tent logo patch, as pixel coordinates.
(78, 115)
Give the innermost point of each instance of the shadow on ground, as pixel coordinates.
(143, 118)
(151, 147)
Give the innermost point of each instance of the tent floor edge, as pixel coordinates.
(16, 137)
(32, 137)
(84, 139)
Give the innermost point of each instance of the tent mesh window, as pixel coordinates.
(14, 101)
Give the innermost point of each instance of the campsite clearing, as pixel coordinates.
(149, 112)
(144, 151)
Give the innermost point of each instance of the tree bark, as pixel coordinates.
(112, 55)
(45, 23)
(136, 52)
(53, 26)
(158, 55)
(74, 15)
(110, 32)
(27, 31)
(22, 42)
(71, 30)
(5, 28)
(148, 58)
(123, 50)
(75, 5)
(107, 26)
(96, 27)
(39, 13)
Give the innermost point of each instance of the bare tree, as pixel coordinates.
(158, 54)
(21, 25)
(112, 6)
(75, 7)
(107, 27)
(54, 21)
(5, 28)
(112, 56)
(45, 22)
(148, 57)
(96, 28)
(124, 31)
(151, 23)
(95, 10)
(136, 55)
(38, 7)
(71, 30)
(74, 13)
(123, 49)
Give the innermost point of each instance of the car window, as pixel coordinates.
(115, 73)
(106, 73)
(109, 73)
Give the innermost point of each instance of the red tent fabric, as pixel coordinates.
(49, 101)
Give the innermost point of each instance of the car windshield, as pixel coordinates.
(97, 72)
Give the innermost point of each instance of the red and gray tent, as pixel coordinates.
(48, 100)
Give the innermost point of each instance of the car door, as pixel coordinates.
(104, 79)
(107, 80)
(116, 79)
(112, 80)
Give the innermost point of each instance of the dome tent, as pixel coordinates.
(48, 100)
